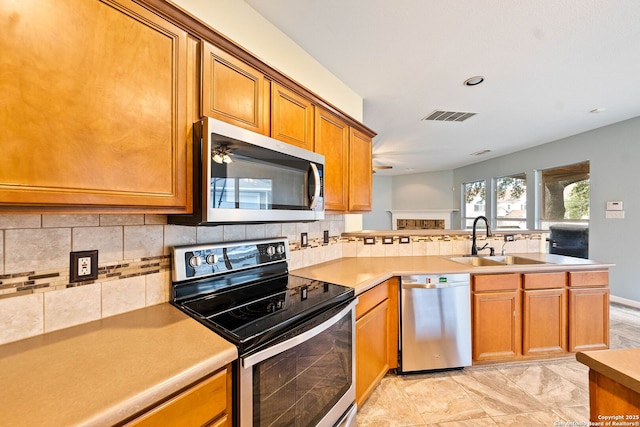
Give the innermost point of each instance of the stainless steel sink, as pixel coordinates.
(488, 261)
(510, 260)
(477, 261)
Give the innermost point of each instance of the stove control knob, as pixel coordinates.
(212, 259)
(271, 251)
(195, 261)
(280, 249)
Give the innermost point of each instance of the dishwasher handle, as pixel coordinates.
(433, 285)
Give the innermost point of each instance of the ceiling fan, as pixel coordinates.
(380, 167)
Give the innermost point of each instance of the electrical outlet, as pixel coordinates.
(83, 266)
(509, 238)
(304, 239)
(325, 237)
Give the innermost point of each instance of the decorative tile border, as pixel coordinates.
(42, 281)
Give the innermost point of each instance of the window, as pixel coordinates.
(511, 201)
(564, 195)
(474, 201)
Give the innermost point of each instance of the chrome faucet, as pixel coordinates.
(474, 245)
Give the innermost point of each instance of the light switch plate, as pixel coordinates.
(614, 214)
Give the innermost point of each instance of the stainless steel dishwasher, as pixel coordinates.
(435, 322)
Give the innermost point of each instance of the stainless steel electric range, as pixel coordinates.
(295, 336)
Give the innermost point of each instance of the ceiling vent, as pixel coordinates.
(449, 116)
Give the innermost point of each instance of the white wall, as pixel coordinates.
(430, 190)
(381, 203)
(239, 22)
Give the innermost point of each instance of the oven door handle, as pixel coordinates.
(260, 356)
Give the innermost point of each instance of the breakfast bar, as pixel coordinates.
(614, 385)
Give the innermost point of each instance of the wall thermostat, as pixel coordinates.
(614, 206)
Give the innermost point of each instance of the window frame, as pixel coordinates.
(498, 219)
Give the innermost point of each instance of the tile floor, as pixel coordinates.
(540, 393)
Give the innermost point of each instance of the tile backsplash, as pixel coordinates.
(134, 265)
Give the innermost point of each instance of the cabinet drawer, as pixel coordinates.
(371, 298)
(544, 280)
(588, 278)
(198, 405)
(496, 282)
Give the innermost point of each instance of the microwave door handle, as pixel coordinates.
(313, 200)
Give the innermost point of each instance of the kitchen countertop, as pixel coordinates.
(362, 273)
(619, 365)
(128, 362)
(104, 371)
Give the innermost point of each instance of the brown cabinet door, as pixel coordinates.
(233, 91)
(359, 172)
(292, 117)
(371, 350)
(496, 325)
(332, 141)
(95, 107)
(588, 319)
(206, 403)
(544, 322)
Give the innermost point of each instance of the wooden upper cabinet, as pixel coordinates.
(96, 108)
(292, 117)
(360, 185)
(332, 140)
(233, 91)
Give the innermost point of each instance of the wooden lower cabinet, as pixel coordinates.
(496, 325)
(376, 337)
(539, 314)
(207, 403)
(544, 322)
(588, 319)
(544, 314)
(588, 310)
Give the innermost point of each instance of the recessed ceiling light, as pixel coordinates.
(598, 110)
(473, 81)
(480, 153)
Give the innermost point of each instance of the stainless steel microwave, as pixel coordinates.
(243, 176)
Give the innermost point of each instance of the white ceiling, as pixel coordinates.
(546, 64)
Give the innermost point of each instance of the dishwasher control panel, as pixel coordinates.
(437, 280)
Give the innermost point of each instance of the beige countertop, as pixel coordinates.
(365, 272)
(619, 365)
(104, 371)
(101, 372)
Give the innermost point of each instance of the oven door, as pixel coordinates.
(306, 380)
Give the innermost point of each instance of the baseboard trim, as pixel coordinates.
(624, 301)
